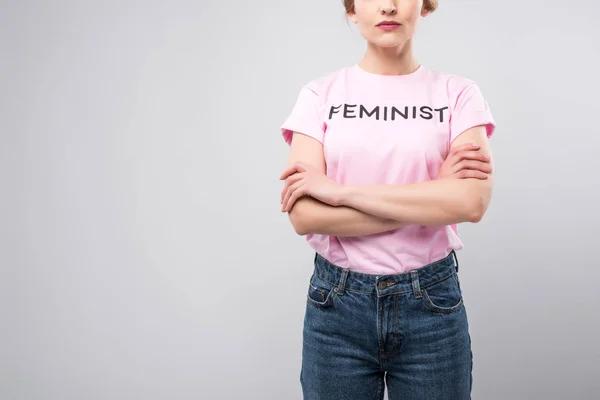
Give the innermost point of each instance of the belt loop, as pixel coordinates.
(342, 283)
(414, 275)
(455, 259)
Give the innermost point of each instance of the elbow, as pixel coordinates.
(297, 222)
(298, 219)
(477, 208)
(478, 198)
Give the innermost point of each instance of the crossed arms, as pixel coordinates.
(369, 209)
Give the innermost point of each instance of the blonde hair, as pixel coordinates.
(428, 5)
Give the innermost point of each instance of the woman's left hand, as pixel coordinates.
(305, 180)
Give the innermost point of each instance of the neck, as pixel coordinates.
(389, 60)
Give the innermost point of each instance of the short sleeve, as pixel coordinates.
(306, 116)
(470, 109)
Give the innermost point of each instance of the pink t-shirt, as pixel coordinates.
(382, 129)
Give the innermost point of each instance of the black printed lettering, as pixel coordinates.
(428, 114)
(375, 111)
(395, 110)
(334, 110)
(441, 110)
(346, 111)
(423, 112)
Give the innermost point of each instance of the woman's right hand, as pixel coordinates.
(465, 162)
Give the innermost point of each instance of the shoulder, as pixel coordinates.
(323, 84)
(453, 82)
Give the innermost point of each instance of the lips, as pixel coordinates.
(388, 23)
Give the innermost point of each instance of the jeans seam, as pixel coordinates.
(435, 308)
(380, 389)
(400, 292)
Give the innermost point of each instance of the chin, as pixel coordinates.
(388, 42)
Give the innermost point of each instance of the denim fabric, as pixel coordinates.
(408, 330)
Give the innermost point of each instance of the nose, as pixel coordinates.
(387, 7)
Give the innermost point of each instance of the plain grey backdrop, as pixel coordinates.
(143, 251)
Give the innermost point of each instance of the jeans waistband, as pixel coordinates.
(346, 279)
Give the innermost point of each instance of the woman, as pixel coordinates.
(386, 157)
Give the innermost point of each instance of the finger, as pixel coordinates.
(469, 155)
(285, 188)
(463, 147)
(470, 173)
(473, 155)
(292, 200)
(474, 164)
(297, 191)
(286, 196)
(298, 166)
(289, 181)
(289, 194)
(288, 171)
(462, 151)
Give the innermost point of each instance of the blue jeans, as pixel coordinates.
(409, 330)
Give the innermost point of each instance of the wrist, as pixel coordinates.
(344, 195)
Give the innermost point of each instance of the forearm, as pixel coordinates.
(309, 215)
(430, 203)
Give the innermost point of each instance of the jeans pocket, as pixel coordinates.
(444, 296)
(320, 292)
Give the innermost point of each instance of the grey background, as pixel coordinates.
(143, 252)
